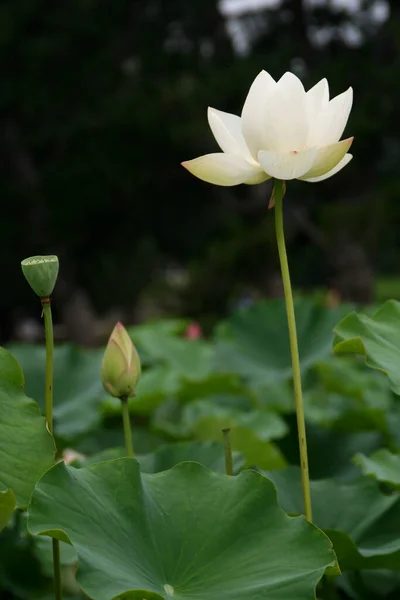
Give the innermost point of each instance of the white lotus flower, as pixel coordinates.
(284, 132)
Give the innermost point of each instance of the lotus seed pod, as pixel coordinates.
(120, 369)
(41, 273)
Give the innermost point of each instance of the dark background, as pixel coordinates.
(100, 102)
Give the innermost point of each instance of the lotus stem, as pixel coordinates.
(294, 350)
(228, 451)
(127, 427)
(49, 339)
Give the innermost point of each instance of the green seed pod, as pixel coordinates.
(120, 369)
(41, 273)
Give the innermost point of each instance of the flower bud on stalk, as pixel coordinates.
(41, 274)
(120, 369)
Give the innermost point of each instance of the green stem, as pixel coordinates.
(127, 427)
(49, 338)
(228, 451)
(48, 332)
(294, 350)
(57, 570)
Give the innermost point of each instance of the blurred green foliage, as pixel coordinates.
(192, 388)
(102, 100)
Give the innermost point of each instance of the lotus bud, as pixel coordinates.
(70, 456)
(120, 369)
(41, 274)
(193, 331)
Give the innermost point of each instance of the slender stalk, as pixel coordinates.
(57, 570)
(49, 338)
(228, 451)
(294, 350)
(127, 427)
(48, 332)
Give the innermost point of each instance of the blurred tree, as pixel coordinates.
(102, 100)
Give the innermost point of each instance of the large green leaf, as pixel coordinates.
(7, 507)
(26, 447)
(383, 465)
(254, 342)
(376, 337)
(186, 532)
(363, 523)
(77, 386)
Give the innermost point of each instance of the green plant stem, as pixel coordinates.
(49, 339)
(127, 427)
(294, 350)
(57, 570)
(48, 332)
(228, 451)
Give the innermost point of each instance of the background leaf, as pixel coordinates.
(254, 341)
(77, 387)
(251, 431)
(370, 542)
(369, 585)
(321, 441)
(208, 454)
(383, 465)
(376, 337)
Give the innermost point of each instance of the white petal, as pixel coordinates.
(227, 130)
(317, 98)
(287, 165)
(225, 169)
(345, 161)
(253, 113)
(286, 124)
(331, 121)
(327, 158)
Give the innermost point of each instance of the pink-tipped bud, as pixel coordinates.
(120, 369)
(193, 331)
(69, 456)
